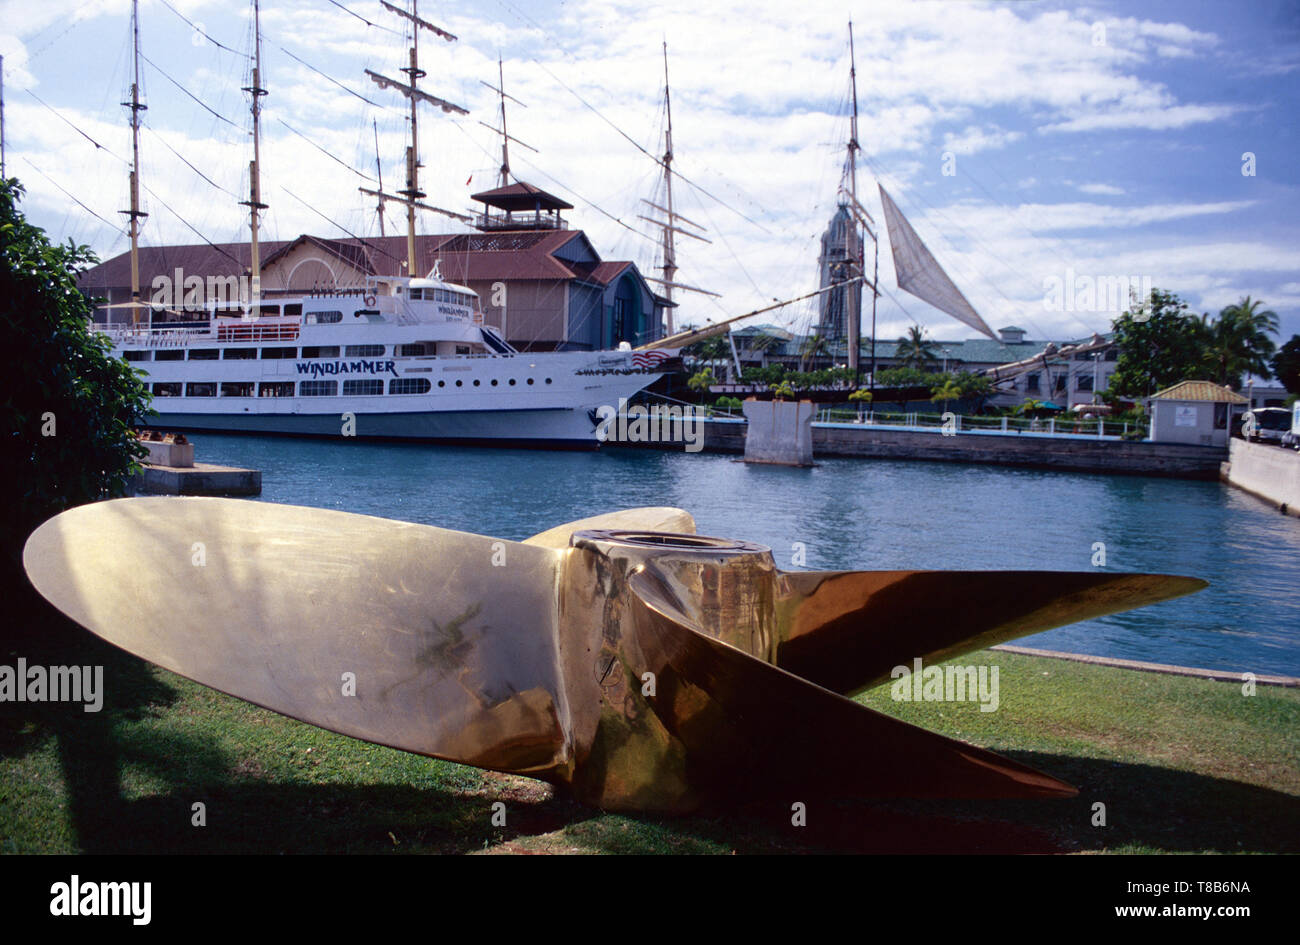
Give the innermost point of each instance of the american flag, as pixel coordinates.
(648, 360)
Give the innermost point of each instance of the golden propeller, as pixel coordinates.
(640, 665)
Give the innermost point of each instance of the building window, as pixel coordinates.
(409, 385)
(1031, 382)
(1061, 380)
(167, 390)
(620, 319)
(318, 351)
(275, 389)
(364, 388)
(1084, 382)
(237, 389)
(364, 351)
(1220, 416)
(207, 389)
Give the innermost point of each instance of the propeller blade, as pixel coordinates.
(845, 630)
(750, 727)
(448, 637)
(648, 519)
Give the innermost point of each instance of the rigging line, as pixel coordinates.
(331, 78)
(71, 125)
(652, 157)
(187, 91)
(332, 157)
(361, 239)
(201, 31)
(168, 208)
(189, 165)
(364, 20)
(114, 226)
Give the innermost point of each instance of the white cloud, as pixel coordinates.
(1101, 190)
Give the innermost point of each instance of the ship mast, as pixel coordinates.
(506, 137)
(411, 194)
(135, 214)
(2, 118)
(254, 201)
(669, 226)
(854, 293)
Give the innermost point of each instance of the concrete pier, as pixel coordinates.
(1267, 472)
(779, 432)
(1071, 454)
(199, 479)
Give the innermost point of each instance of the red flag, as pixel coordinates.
(468, 179)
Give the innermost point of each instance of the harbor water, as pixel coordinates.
(860, 514)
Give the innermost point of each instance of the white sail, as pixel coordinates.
(920, 274)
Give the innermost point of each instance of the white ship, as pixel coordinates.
(400, 359)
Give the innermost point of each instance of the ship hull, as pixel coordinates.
(542, 428)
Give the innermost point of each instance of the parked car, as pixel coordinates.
(1268, 424)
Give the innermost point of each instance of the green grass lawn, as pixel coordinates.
(1181, 765)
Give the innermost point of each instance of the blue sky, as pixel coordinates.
(1099, 140)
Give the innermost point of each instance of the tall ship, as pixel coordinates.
(398, 357)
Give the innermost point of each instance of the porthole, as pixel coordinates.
(460, 383)
(476, 383)
(512, 382)
(494, 382)
(530, 380)
(548, 380)
(442, 383)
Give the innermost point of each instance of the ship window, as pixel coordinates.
(417, 294)
(442, 383)
(318, 388)
(136, 355)
(494, 382)
(239, 354)
(207, 389)
(460, 383)
(204, 354)
(293, 308)
(462, 349)
(411, 350)
(272, 354)
(364, 351)
(548, 380)
(363, 388)
(237, 389)
(409, 385)
(476, 383)
(174, 354)
(325, 318)
(167, 390)
(275, 389)
(530, 380)
(512, 382)
(268, 310)
(321, 351)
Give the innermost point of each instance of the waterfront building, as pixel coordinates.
(542, 285)
(1065, 381)
(1197, 412)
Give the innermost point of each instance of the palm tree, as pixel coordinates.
(813, 347)
(915, 350)
(1237, 342)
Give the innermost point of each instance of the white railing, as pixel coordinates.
(936, 423)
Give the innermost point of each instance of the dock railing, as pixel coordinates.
(1096, 427)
